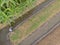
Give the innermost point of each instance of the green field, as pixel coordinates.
(9, 9)
(33, 23)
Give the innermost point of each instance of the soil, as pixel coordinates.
(52, 39)
(2, 26)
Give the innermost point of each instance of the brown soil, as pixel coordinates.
(51, 39)
(39, 1)
(2, 26)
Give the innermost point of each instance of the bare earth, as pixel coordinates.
(2, 26)
(51, 39)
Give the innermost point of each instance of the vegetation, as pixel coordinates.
(9, 9)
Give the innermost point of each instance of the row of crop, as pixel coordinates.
(10, 8)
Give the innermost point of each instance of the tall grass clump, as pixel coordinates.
(9, 9)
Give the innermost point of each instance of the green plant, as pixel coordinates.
(10, 8)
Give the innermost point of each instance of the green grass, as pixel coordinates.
(9, 9)
(36, 24)
(41, 17)
(16, 35)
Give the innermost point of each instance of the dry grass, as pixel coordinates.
(2, 26)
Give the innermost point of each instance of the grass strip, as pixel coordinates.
(40, 18)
